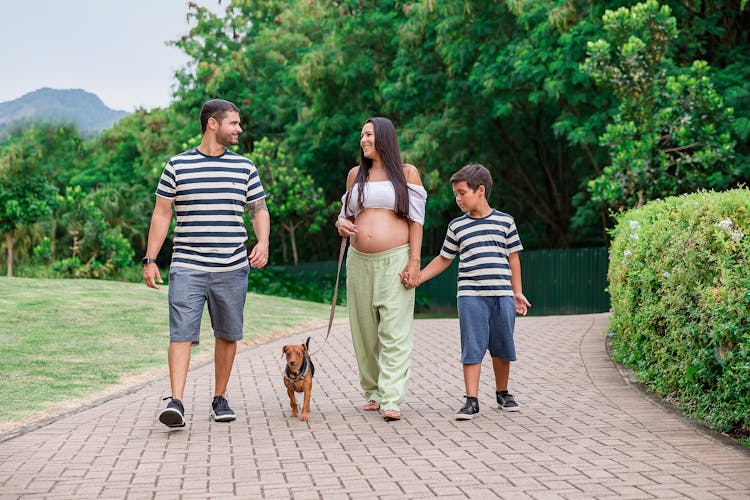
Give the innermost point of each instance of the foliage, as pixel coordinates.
(87, 245)
(26, 195)
(294, 202)
(680, 291)
(500, 83)
(672, 132)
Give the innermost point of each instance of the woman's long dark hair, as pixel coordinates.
(386, 144)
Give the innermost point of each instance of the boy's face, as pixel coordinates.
(468, 199)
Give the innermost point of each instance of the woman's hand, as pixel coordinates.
(410, 275)
(346, 227)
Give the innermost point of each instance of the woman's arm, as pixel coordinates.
(345, 225)
(410, 274)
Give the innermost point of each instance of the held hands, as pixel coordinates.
(346, 227)
(259, 255)
(410, 275)
(151, 275)
(522, 303)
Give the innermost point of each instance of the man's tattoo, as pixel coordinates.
(257, 206)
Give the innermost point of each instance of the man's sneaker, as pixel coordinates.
(506, 402)
(468, 410)
(220, 410)
(174, 414)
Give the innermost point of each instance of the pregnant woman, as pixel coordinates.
(382, 214)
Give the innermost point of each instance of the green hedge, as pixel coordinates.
(679, 280)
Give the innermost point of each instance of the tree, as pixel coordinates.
(26, 194)
(294, 202)
(671, 133)
(463, 80)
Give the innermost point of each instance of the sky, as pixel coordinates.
(115, 49)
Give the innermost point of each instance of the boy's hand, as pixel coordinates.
(410, 274)
(522, 304)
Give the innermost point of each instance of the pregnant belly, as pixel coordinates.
(378, 230)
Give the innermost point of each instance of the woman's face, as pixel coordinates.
(367, 142)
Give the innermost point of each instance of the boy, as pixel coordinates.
(489, 284)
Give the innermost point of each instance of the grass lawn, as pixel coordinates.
(67, 342)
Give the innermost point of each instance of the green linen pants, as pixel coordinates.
(381, 315)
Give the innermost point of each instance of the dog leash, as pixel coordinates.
(342, 251)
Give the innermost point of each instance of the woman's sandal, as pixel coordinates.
(371, 405)
(391, 415)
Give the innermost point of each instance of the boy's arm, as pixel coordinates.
(522, 304)
(435, 267)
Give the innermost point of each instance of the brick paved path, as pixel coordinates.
(582, 432)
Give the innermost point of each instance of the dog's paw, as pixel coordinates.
(304, 417)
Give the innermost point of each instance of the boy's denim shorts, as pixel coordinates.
(190, 290)
(486, 323)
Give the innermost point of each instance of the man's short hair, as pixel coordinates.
(216, 109)
(474, 175)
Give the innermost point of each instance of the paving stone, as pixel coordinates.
(582, 432)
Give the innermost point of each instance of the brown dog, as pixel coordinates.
(298, 375)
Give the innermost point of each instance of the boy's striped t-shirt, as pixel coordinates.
(483, 246)
(210, 194)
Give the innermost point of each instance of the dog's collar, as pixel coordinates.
(301, 374)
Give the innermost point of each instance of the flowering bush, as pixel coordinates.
(679, 281)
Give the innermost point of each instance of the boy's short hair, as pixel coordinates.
(474, 175)
(216, 109)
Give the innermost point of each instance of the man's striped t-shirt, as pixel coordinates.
(483, 246)
(210, 194)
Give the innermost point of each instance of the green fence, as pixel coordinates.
(560, 281)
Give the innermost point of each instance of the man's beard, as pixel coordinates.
(226, 139)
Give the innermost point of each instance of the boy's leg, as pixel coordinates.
(501, 367)
(471, 379)
(473, 318)
(503, 349)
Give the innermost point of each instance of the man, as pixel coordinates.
(209, 188)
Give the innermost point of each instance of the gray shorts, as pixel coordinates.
(189, 290)
(486, 323)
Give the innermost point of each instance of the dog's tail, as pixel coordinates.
(307, 343)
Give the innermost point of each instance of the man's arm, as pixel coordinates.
(157, 233)
(262, 228)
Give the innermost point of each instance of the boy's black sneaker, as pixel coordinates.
(174, 414)
(220, 410)
(506, 402)
(468, 410)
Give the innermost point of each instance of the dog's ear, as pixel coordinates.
(284, 350)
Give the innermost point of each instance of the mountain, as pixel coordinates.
(77, 106)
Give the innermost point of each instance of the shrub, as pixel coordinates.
(679, 280)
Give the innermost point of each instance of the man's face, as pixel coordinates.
(229, 129)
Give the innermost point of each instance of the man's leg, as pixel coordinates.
(224, 352)
(186, 299)
(226, 307)
(179, 362)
